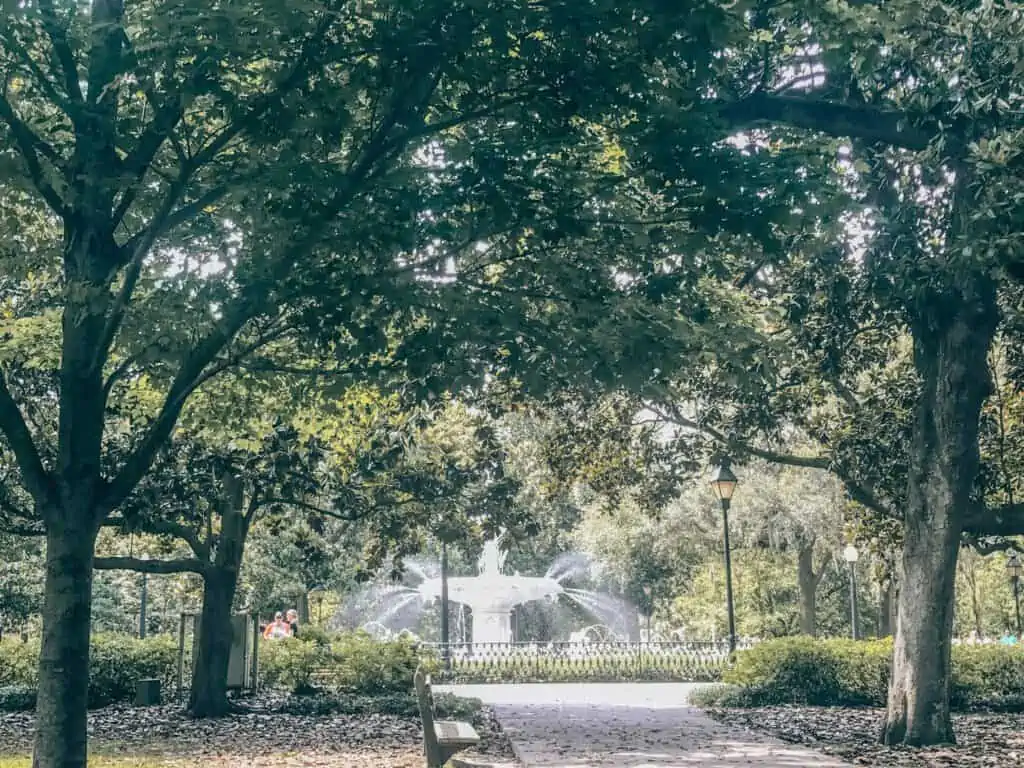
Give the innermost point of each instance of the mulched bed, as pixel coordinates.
(852, 734)
(257, 736)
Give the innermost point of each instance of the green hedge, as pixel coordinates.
(116, 662)
(357, 664)
(353, 663)
(847, 673)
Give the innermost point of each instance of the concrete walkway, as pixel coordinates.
(627, 725)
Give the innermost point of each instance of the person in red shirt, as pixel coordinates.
(278, 629)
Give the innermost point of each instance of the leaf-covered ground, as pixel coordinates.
(260, 737)
(852, 734)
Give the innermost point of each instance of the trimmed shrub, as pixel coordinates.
(368, 666)
(19, 663)
(116, 663)
(722, 696)
(988, 676)
(847, 673)
(353, 663)
(794, 671)
(17, 698)
(291, 664)
(863, 670)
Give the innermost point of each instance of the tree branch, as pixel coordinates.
(142, 241)
(987, 548)
(983, 521)
(871, 124)
(62, 49)
(30, 146)
(182, 565)
(45, 83)
(863, 496)
(197, 369)
(37, 480)
(304, 62)
(311, 508)
(792, 460)
(189, 377)
(162, 528)
(137, 250)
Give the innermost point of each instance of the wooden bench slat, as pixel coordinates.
(455, 732)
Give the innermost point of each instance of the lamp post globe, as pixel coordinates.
(723, 484)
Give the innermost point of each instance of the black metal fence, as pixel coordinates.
(578, 661)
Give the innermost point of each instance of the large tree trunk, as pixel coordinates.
(808, 582)
(209, 693)
(61, 707)
(950, 348)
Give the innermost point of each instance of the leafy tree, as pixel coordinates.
(209, 500)
(876, 290)
(358, 177)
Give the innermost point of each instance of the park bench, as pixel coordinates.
(441, 738)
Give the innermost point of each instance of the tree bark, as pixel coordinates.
(209, 693)
(886, 607)
(61, 738)
(808, 582)
(951, 345)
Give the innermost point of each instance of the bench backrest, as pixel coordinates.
(426, 703)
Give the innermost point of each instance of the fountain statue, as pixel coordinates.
(491, 595)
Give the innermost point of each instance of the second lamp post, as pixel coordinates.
(723, 483)
(850, 555)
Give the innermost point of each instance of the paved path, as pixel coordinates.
(627, 725)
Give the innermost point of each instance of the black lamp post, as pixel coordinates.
(445, 637)
(649, 607)
(723, 483)
(850, 555)
(1014, 569)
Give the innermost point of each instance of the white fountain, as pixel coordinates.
(492, 595)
